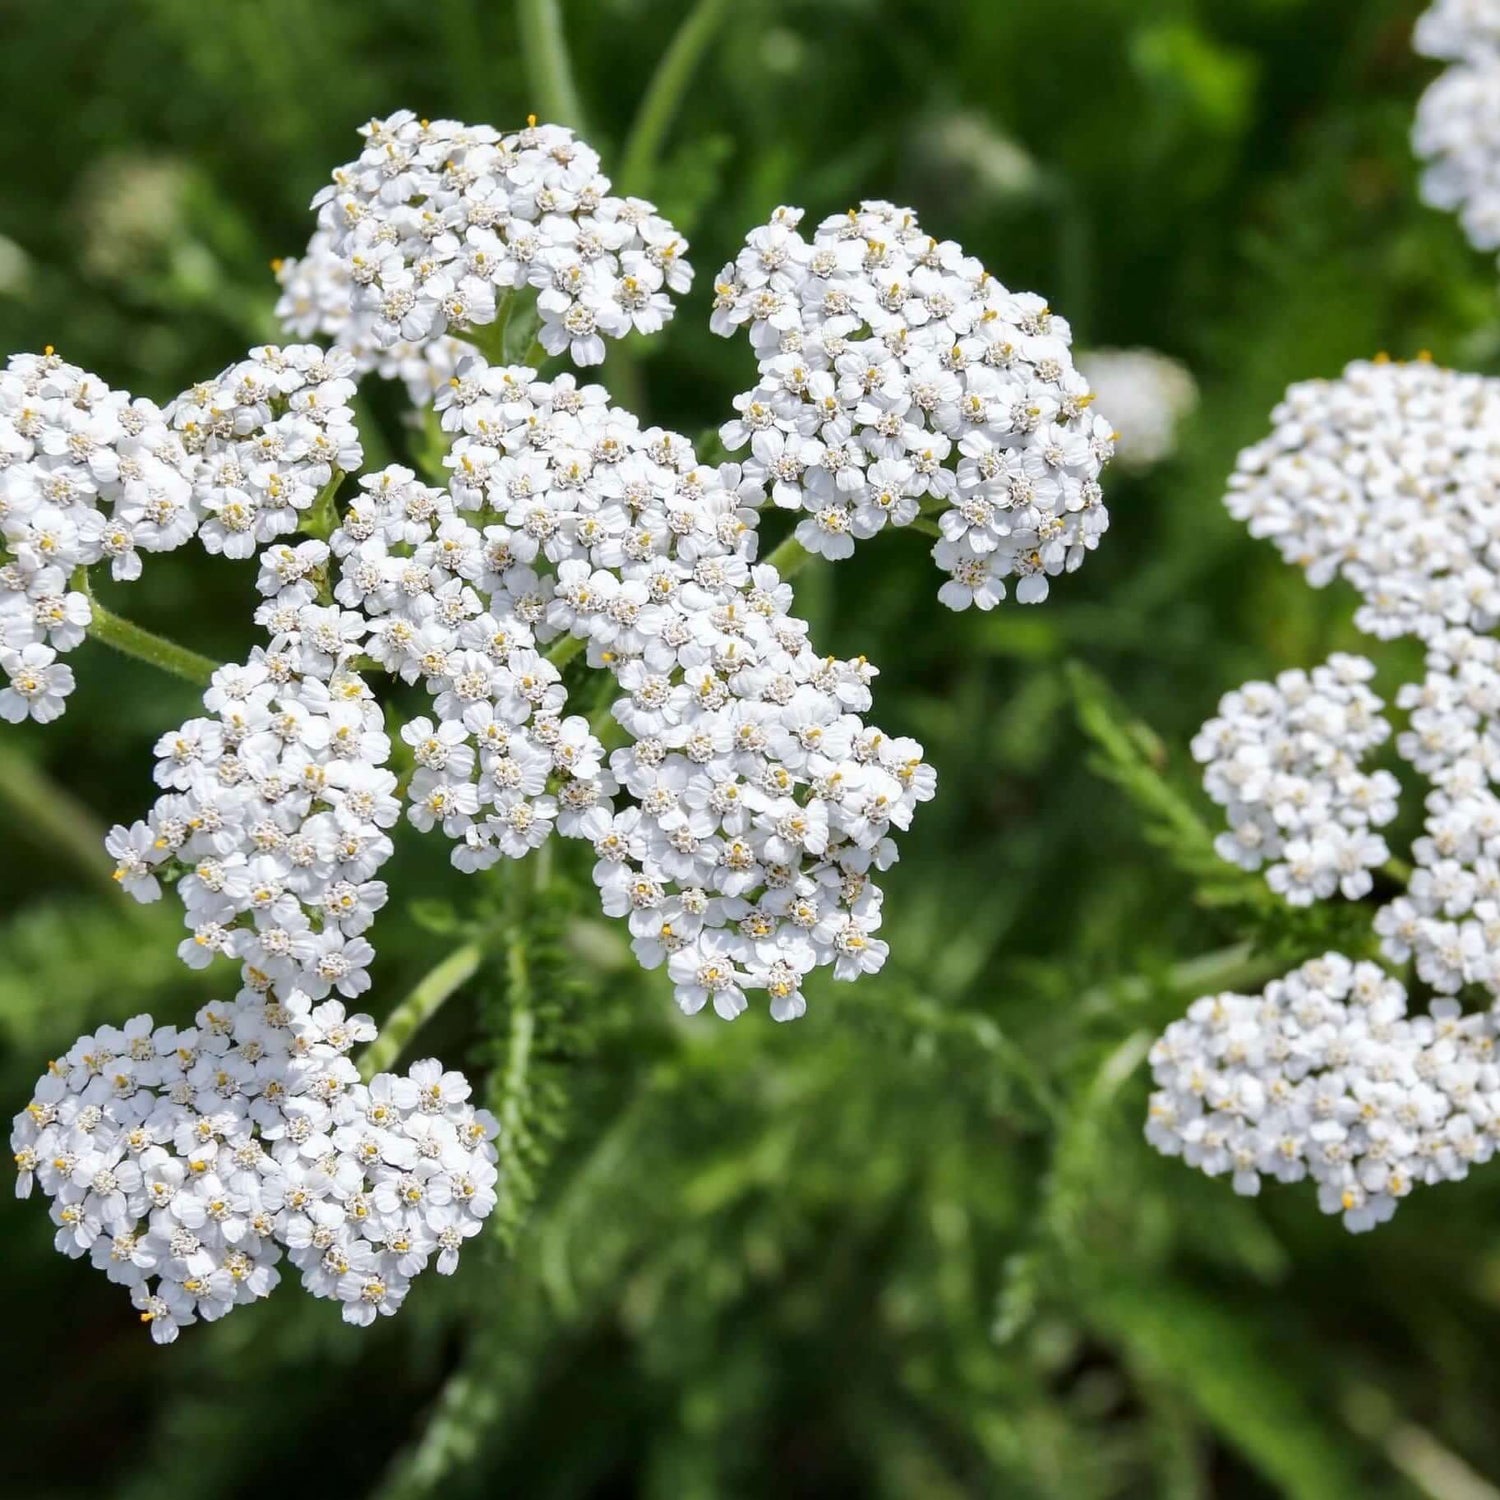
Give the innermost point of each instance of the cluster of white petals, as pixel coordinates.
(1387, 477)
(89, 475)
(1448, 921)
(85, 474)
(273, 820)
(1147, 394)
(424, 581)
(898, 377)
(1325, 1076)
(738, 804)
(263, 438)
(1457, 129)
(317, 301)
(437, 222)
(186, 1162)
(1284, 761)
(758, 801)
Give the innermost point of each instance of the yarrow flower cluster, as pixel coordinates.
(896, 377)
(1388, 478)
(762, 801)
(186, 1162)
(88, 474)
(1284, 761)
(317, 300)
(1147, 394)
(1325, 1076)
(1448, 921)
(436, 222)
(274, 820)
(1457, 130)
(738, 803)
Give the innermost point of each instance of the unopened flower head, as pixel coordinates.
(1387, 478)
(1285, 762)
(437, 222)
(897, 379)
(1325, 1076)
(1147, 395)
(187, 1163)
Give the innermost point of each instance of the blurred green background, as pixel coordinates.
(913, 1245)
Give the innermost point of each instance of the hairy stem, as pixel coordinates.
(437, 986)
(321, 518)
(664, 95)
(133, 640)
(563, 650)
(549, 69)
(789, 557)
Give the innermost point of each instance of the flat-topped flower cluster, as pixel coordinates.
(1387, 478)
(1325, 1076)
(437, 221)
(89, 475)
(186, 1162)
(1284, 761)
(1457, 130)
(898, 377)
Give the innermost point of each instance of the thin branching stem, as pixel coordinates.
(134, 640)
(431, 992)
(789, 557)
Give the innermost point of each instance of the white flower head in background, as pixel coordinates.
(1285, 762)
(1448, 922)
(899, 381)
(1388, 477)
(1325, 1076)
(1457, 130)
(1147, 395)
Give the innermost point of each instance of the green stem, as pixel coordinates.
(133, 640)
(1398, 870)
(789, 557)
(322, 517)
(58, 820)
(565, 649)
(436, 987)
(522, 1033)
(544, 53)
(535, 356)
(431, 448)
(664, 95)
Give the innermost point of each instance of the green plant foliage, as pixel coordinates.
(913, 1244)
